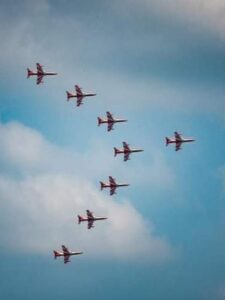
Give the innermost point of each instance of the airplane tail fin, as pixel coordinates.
(167, 141)
(99, 121)
(56, 254)
(116, 151)
(80, 219)
(69, 95)
(29, 73)
(102, 185)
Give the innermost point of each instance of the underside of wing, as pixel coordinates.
(126, 156)
(39, 79)
(89, 214)
(109, 116)
(112, 180)
(126, 146)
(78, 90)
(90, 224)
(39, 68)
(178, 146)
(177, 136)
(65, 250)
(66, 259)
(79, 100)
(112, 190)
(110, 126)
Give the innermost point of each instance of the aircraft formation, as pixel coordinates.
(112, 185)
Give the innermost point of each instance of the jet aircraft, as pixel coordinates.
(126, 151)
(90, 219)
(178, 140)
(112, 185)
(79, 95)
(65, 253)
(40, 73)
(110, 121)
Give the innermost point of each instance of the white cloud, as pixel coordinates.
(22, 146)
(39, 205)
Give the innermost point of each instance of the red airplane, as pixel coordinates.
(40, 73)
(112, 185)
(109, 120)
(79, 95)
(126, 151)
(178, 140)
(90, 219)
(65, 253)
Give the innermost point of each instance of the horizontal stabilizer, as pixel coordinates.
(167, 141)
(69, 95)
(29, 73)
(56, 254)
(116, 151)
(102, 185)
(99, 121)
(80, 219)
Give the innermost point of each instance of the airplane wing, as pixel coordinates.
(126, 156)
(78, 90)
(66, 259)
(112, 190)
(89, 214)
(39, 68)
(178, 146)
(112, 180)
(39, 79)
(109, 116)
(177, 136)
(65, 250)
(79, 100)
(90, 224)
(126, 146)
(110, 126)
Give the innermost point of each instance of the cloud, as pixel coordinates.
(22, 147)
(157, 64)
(201, 13)
(40, 203)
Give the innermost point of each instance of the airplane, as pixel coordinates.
(178, 140)
(40, 73)
(110, 121)
(79, 95)
(112, 185)
(65, 253)
(90, 219)
(126, 151)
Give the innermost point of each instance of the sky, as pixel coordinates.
(159, 64)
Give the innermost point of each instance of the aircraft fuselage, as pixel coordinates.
(64, 254)
(106, 185)
(128, 151)
(173, 141)
(41, 74)
(113, 121)
(81, 96)
(93, 219)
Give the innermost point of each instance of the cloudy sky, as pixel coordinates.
(158, 63)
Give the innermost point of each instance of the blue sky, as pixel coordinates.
(159, 64)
